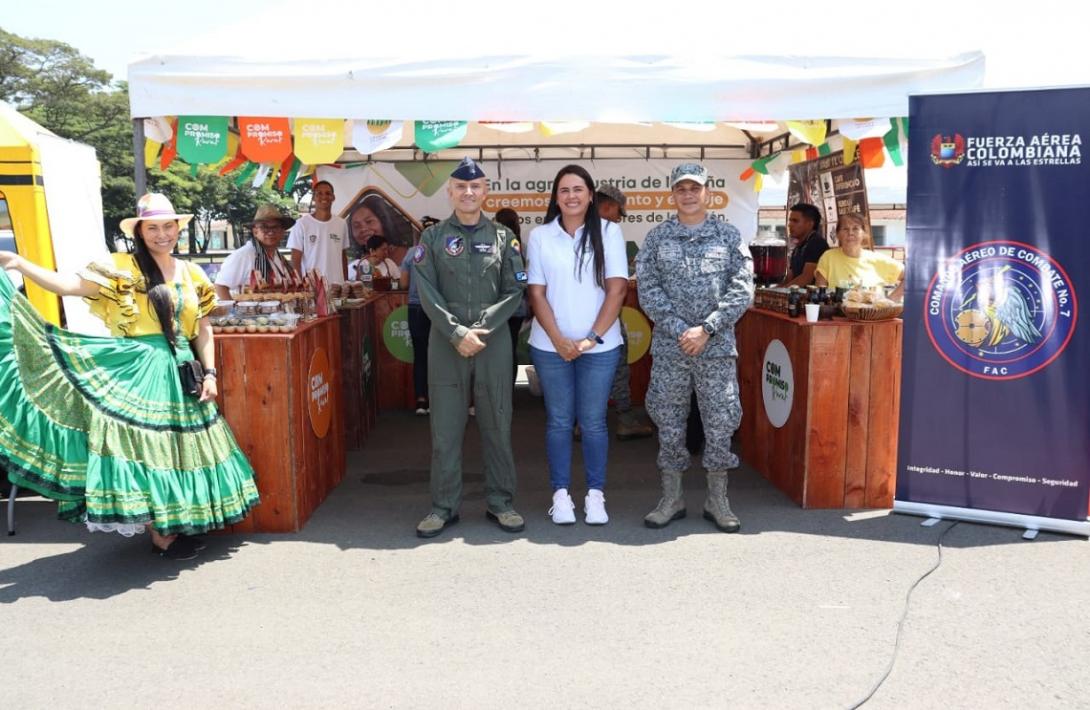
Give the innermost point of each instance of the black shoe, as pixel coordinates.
(178, 550)
(196, 540)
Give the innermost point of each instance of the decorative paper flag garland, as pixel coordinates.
(374, 136)
(158, 129)
(319, 140)
(434, 136)
(170, 148)
(859, 128)
(201, 139)
(809, 132)
(265, 140)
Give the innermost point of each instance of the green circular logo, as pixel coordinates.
(395, 334)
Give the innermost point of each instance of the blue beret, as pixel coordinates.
(468, 169)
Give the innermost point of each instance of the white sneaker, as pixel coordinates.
(563, 510)
(594, 505)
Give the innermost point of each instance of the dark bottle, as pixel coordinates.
(812, 295)
(823, 295)
(793, 305)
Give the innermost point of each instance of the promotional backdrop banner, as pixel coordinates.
(994, 409)
(399, 194)
(831, 186)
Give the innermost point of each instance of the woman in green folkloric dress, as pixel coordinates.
(101, 424)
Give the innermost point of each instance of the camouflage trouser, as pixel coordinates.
(620, 392)
(715, 382)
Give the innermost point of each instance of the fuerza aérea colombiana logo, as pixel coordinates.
(1000, 310)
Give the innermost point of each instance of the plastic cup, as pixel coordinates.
(812, 312)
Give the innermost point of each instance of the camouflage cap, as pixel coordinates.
(689, 171)
(612, 192)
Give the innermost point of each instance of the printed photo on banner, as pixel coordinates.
(834, 188)
(373, 213)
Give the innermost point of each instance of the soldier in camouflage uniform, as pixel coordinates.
(470, 276)
(695, 277)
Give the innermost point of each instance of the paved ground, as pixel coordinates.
(799, 610)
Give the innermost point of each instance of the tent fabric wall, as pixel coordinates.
(527, 88)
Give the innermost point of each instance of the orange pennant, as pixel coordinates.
(872, 153)
(265, 140)
(170, 148)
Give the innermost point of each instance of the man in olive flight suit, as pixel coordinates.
(470, 276)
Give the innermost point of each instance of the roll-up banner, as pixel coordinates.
(995, 413)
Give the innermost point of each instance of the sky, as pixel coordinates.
(111, 32)
(1041, 44)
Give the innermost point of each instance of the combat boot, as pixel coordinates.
(671, 506)
(629, 426)
(717, 507)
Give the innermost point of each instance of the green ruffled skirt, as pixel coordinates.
(100, 424)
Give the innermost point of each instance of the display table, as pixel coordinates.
(358, 372)
(282, 397)
(393, 351)
(837, 447)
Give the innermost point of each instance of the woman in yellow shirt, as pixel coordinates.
(102, 425)
(852, 263)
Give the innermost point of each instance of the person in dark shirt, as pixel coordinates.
(804, 228)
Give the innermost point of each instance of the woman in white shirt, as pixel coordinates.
(578, 275)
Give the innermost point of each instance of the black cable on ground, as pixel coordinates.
(901, 623)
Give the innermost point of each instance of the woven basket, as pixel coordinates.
(885, 313)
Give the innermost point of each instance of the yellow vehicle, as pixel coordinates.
(22, 202)
(50, 208)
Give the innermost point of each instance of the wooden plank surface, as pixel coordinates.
(859, 378)
(827, 414)
(264, 389)
(354, 331)
(885, 408)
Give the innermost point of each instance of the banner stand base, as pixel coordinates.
(1032, 524)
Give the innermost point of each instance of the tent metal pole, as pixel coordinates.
(140, 172)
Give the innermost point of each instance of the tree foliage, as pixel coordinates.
(60, 88)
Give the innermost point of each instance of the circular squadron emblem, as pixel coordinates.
(1000, 310)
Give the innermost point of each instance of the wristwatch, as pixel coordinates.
(708, 328)
(210, 372)
(595, 337)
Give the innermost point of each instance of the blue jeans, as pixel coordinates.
(576, 391)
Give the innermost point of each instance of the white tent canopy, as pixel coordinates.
(436, 61)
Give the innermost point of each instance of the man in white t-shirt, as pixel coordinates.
(318, 241)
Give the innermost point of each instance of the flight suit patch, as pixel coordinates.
(455, 246)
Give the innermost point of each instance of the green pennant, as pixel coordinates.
(433, 136)
(292, 175)
(761, 164)
(202, 139)
(246, 174)
(824, 149)
(893, 144)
